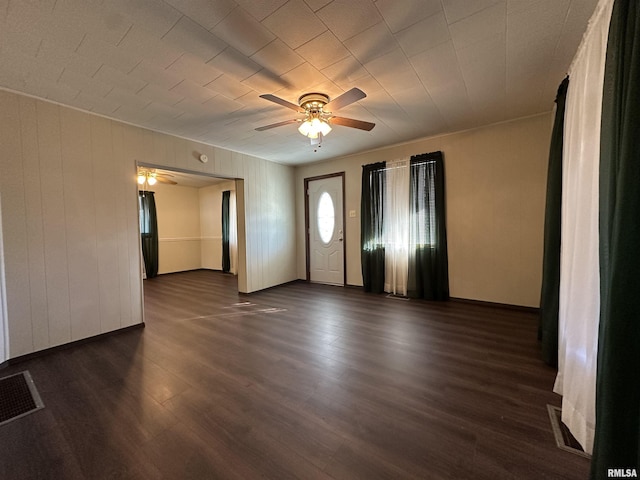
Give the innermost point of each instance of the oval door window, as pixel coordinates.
(326, 217)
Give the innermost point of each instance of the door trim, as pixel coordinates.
(307, 238)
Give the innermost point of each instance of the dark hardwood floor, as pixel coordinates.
(299, 381)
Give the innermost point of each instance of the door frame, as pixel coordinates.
(307, 229)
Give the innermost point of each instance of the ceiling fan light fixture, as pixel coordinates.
(151, 180)
(311, 128)
(141, 179)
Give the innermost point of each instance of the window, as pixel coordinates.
(326, 218)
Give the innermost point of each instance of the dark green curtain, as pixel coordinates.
(371, 222)
(428, 258)
(226, 256)
(617, 436)
(149, 233)
(550, 292)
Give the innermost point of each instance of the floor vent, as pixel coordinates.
(18, 397)
(396, 296)
(564, 439)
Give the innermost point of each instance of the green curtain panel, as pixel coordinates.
(371, 226)
(226, 255)
(617, 436)
(550, 292)
(149, 232)
(428, 257)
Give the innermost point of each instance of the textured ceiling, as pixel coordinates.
(196, 68)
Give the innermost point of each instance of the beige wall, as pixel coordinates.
(178, 211)
(71, 245)
(495, 190)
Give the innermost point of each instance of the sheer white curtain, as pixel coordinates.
(233, 233)
(396, 226)
(579, 309)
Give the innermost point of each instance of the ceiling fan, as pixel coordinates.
(150, 177)
(318, 110)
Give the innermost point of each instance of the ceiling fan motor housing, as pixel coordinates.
(313, 102)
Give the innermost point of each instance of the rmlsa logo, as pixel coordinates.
(622, 473)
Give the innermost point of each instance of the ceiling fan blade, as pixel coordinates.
(350, 122)
(165, 180)
(347, 98)
(280, 101)
(274, 125)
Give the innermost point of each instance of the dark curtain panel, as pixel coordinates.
(428, 258)
(371, 223)
(226, 256)
(617, 436)
(149, 232)
(550, 292)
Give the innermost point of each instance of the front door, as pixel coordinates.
(326, 230)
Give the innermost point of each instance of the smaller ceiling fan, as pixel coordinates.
(150, 176)
(318, 110)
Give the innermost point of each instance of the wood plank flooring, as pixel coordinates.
(299, 381)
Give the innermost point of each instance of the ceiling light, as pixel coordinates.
(151, 180)
(312, 127)
(141, 179)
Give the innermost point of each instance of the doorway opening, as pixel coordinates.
(190, 211)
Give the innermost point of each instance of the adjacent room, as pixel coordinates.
(319, 239)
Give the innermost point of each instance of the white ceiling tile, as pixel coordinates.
(204, 12)
(114, 56)
(123, 97)
(193, 91)
(400, 14)
(223, 105)
(304, 77)
(229, 87)
(346, 18)
(347, 69)
(264, 82)
(85, 84)
(193, 68)
(254, 35)
(234, 64)
(545, 16)
(155, 93)
(262, 9)
(150, 73)
(157, 17)
(322, 51)
(18, 40)
(373, 42)
(424, 34)
(479, 26)
(95, 104)
(195, 39)
(456, 10)
(111, 76)
(438, 66)
(161, 110)
(294, 23)
(70, 60)
(187, 105)
(487, 55)
(141, 43)
(393, 71)
(277, 58)
(37, 19)
(109, 25)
